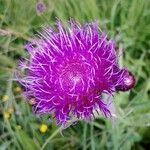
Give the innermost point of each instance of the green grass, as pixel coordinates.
(128, 21)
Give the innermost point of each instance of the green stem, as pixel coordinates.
(48, 139)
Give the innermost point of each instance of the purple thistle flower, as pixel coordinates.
(40, 7)
(69, 71)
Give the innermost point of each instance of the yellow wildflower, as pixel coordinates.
(18, 127)
(32, 101)
(43, 128)
(17, 89)
(1, 17)
(10, 110)
(7, 115)
(5, 98)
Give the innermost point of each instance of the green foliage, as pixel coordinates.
(128, 21)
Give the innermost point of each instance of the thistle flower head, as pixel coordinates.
(40, 7)
(70, 69)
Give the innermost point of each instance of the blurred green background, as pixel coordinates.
(128, 22)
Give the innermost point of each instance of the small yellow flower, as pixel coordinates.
(10, 110)
(1, 16)
(18, 127)
(17, 89)
(5, 98)
(43, 128)
(32, 101)
(7, 115)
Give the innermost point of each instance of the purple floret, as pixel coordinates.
(40, 7)
(70, 69)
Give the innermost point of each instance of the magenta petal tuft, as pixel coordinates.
(70, 69)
